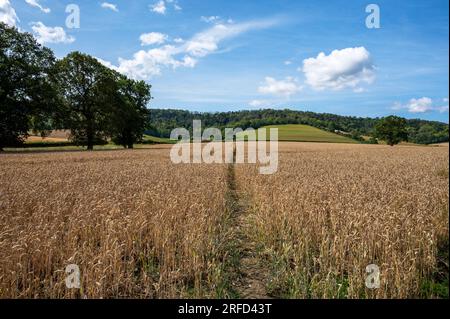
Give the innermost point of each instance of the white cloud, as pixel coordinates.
(110, 6)
(210, 19)
(421, 105)
(145, 64)
(107, 63)
(189, 62)
(444, 108)
(7, 13)
(259, 103)
(286, 87)
(159, 7)
(207, 42)
(153, 38)
(178, 40)
(175, 4)
(346, 68)
(46, 34)
(359, 90)
(35, 3)
(287, 62)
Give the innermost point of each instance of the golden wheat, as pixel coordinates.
(331, 210)
(139, 226)
(135, 224)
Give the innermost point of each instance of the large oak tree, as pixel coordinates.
(86, 87)
(391, 129)
(27, 96)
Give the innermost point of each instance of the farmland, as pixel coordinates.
(306, 133)
(139, 226)
(333, 209)
(136, 225)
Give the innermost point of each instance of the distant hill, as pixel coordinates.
(304, 133)
(164, 121)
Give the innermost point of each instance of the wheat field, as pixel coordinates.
(333, 209)
(136, 225)
(139, 226)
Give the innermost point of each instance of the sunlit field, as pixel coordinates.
(332, 210)
(136, 225)
(139, 226)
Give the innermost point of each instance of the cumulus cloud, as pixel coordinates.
(110, 6)
(153, 38)
(35, 3)
(286, 87)
(159, 7)
(210, 19)
(46, 34)
(8, 14)
(145, 64)
(346, 68)
(422, 105)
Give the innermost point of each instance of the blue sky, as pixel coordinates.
(230, 55)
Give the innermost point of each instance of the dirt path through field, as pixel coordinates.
(251, 280)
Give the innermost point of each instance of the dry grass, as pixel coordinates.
(55, 136)
(334, 209)
(141, 227)
(136, 225)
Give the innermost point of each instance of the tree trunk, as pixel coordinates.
(90, 135)
(90, 140)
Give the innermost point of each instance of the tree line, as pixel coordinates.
(416, 131)
(40, 93)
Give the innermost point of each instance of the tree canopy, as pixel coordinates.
(84, 85)
(392, 129)
(77, 93)
(130, 116)
(27, 96)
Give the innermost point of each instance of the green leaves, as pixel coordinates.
(392, 129)
(100, 103)
(76, 93)
(25, 89)
(130, 117)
